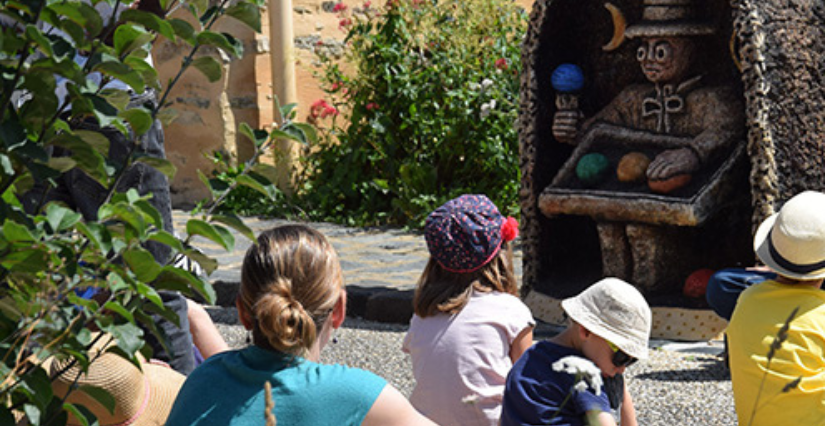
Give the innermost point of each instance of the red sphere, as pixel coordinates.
(697, 282)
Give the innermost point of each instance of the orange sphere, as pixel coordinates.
(632, 167)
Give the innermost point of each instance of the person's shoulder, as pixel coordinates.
(336, 372)
(499, 298)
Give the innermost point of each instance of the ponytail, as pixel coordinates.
(290, 281)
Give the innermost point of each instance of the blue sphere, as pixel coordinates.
(567, 78)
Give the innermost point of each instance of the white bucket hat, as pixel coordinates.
(615, 311)
(792, 242)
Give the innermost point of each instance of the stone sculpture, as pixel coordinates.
(688, 127)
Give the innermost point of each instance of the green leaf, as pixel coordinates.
(294, 136)
(309, 131)
(199, 227)
(61, 218)
(142, 263)
(32, 260)
(97, 234)
(149, 210)
(150, 21)
(183, 30)
(178, 279)
(235, 222)
(129, 37)
(160, 164)
(81, 413)
(257, 136)
(129, 337)
(147, 71)
(122, 72)
(139, 120)
(210, 68)
(207, 263)
(225, 42)
(37, 381)
(39, 39)
(95, 139)
(168, 239)
(149, 294)
(265, 188)
(13, 231)
(198, 6)
(248, 13)
(268, 171)
(120, 310)
(81, 14)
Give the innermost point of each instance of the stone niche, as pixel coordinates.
(768, 54)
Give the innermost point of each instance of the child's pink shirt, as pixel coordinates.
(460, 362)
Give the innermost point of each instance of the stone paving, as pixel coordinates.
(381, 265)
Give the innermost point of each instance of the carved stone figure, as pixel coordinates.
(689, 126)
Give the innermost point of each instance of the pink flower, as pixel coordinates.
(367, 4)
(339, 7)
(371, 106)
(343, 23)
(337, 85)
(319, 43)
(501, 64)
(320, 108)
(328, 111)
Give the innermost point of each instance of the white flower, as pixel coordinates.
(587, 373)
(486, 84)
(580, 386)
(486, 108)
(470, 399)
(475, 86)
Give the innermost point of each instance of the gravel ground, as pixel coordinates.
(679, 384)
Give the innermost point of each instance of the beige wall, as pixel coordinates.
(209, 113)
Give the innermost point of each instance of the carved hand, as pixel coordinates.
(566, 125)
(672, 162)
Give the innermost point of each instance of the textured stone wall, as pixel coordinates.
(781, 46)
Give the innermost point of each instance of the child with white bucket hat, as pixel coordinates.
(776, 336)
(559, 381)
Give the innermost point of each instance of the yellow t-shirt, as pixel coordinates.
(760, 313)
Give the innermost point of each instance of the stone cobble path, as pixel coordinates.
(381, 265)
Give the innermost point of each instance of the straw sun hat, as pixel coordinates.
(615, 311)
(792, 242)
(141, 398)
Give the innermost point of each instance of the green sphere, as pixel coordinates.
(592, 168)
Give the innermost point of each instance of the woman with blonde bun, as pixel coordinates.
(291, 298)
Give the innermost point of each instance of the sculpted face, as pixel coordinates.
(665, 60)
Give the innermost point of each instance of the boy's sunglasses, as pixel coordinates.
(620, 359)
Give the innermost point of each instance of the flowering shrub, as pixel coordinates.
(427, 96)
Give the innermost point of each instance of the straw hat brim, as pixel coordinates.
(762, 247)
(164, 385)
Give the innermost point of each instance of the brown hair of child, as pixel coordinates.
(441, 291)
(290, 281)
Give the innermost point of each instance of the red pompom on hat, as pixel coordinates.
(509, 229)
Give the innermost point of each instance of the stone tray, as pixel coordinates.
(688, 206)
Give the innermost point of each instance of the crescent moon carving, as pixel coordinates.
(619, 25)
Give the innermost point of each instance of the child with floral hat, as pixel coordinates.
(469, 326)
(559, 381)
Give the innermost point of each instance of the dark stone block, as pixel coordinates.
(393, 306)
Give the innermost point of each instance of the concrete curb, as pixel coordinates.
(379, 304)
